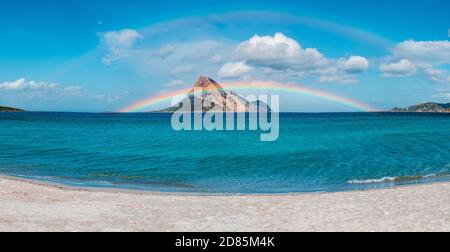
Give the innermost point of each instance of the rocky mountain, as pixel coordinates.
(8, 109)
(429, 107)
(215, 98)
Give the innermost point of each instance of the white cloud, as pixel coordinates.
(354, 64)
(437, 75)
(426, 57)
(41, 85)
(56, 96)
(14, 85)
(233, 70)
(424, 52)
(175, 83)
(23, 84)
(164, 51)
(277, 57)
(29, 90)
(279, 52)
(287, 56)
(184, 58)
(119, 44)
(336, 75)
(403, 68)
(344, 70)
(125, 38)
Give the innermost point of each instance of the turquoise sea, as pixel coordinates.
(315, 152)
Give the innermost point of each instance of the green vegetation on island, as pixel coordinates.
(9, 109)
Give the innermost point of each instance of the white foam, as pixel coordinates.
(391, 179)
(372, 181)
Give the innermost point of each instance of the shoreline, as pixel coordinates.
(28, 205)
(107, 189)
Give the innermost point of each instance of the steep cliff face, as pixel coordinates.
(215, 98)
(429, 107)
(209, 96)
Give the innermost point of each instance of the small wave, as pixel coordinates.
(372, 181)
(395, 179)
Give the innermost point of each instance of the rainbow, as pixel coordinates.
(255, 85)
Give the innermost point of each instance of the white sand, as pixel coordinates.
(33, 206)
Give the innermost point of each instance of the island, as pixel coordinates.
(208, 91)
(428, 107)
(9, 109)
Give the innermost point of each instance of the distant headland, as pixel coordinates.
(429, 107)
(9, 109)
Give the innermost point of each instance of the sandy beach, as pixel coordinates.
(35, 206)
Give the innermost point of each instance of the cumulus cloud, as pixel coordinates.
(23, 84)
(124, 38)
(234, 69)
(29, 89)
(354, 64)
(272, 56)
(427, 57)
(119, 43)
(164, 51)
(403, 68)
(284, 54)
(424, 52)
(279, 52)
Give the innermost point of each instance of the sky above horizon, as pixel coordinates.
(96, 56)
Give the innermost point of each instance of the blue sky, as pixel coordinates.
(103, 55)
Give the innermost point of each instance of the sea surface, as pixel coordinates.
(314, 152)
